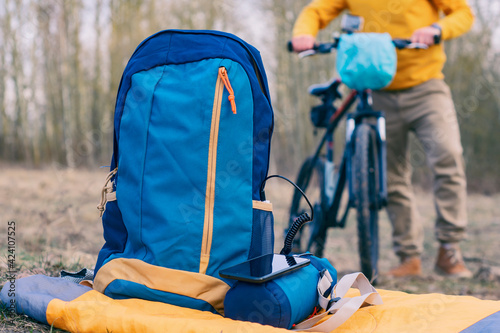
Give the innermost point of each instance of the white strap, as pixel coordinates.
(325, 283)
(345, 307)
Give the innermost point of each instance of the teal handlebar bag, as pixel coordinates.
(281, 302)
(366, 60)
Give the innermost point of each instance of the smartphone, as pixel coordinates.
(264, 268)
(351, 23)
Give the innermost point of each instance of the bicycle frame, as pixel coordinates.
(363, 111)
(363, 165)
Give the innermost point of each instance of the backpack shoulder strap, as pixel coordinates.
(344, 308)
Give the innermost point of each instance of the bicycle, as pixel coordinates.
(363, 168)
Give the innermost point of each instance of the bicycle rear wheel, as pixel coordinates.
(365, 178)
(311, 179)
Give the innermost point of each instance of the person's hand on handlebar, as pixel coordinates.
(426, 35)
(303, 43)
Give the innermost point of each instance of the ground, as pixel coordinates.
(57, 226)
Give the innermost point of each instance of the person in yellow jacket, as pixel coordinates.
(418, 101)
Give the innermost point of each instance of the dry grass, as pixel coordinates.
(55, 213)
(58, 227)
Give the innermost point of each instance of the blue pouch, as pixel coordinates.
(281, 302)
(366, 60)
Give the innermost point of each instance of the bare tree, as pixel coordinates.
(21, 132)
(474, 80)
(4, 125)
(294, 137)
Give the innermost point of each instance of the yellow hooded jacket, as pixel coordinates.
(400, 18)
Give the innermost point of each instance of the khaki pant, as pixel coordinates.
(428, 111)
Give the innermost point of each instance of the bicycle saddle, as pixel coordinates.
(325, 88)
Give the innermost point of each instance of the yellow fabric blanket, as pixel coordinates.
(401, 312)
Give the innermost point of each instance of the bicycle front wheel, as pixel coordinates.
(365, 178)
(312, 236)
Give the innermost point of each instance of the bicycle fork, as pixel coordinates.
(381, 137)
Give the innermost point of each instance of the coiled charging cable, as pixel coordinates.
(298, 222)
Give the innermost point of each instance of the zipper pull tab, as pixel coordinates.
(227, 84)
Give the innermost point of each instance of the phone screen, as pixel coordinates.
(264, 268)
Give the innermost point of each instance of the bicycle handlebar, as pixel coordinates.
(317, 48)
(328, 47)
(408, 44)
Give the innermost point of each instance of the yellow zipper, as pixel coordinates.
(222, 81)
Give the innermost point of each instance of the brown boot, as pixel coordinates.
(450, 262)
(410, 266)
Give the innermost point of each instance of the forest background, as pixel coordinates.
(61, 63)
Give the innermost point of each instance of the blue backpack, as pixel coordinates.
(193, 124)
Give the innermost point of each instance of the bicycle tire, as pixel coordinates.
(312, 236)
(365, 172)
